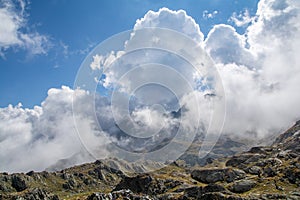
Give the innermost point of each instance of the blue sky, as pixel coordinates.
(79, 26)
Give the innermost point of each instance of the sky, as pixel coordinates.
(247, 86)
(72, 29)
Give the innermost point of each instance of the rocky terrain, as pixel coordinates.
(263, 172)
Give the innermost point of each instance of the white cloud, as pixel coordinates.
(207, 15)
(241, 19)
(175, 20)
(257, 72)
(34, 139)
(276, 23)
(261, 97)
(225, 46)
(164, 18)
(97, 62)
(160, 62)
(100, 62)
(13, 19)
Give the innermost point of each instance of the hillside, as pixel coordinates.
(264, 172)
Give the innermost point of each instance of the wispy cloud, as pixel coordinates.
(16, 33)
(241, 19)
(209, 15)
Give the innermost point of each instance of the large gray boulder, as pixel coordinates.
(242, 186)
(215, 175)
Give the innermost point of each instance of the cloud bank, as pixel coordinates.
(34, 139)
(259, 70)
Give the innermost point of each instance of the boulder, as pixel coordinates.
(234, 174)
(137, 184)
(242, 186)
(244, 159)
(255, 170)
(208, 175)
(18, 183)
(30, 173)
(215, 175)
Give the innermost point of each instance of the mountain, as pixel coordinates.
(263, 172)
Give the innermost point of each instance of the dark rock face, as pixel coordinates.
(214, 188)
(208, 176)
(234, 174)
(70, 184)
(215, 175)
(259, 150)
(30, 173)
(242, 186)
(244, 159)
(147, 184)
(269, 172)
(18, 183)
(293, 175)
(136, 184)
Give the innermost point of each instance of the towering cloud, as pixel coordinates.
(175, 20)
(260, 69)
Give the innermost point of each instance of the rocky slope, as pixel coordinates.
(265, 172)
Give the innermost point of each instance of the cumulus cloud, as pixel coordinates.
(162, 72)
(225, 46)
(13, 17)
(260, 73)
(259, 69)
(276, 23)
(175, 20)
(166, 19)
(34, 139)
